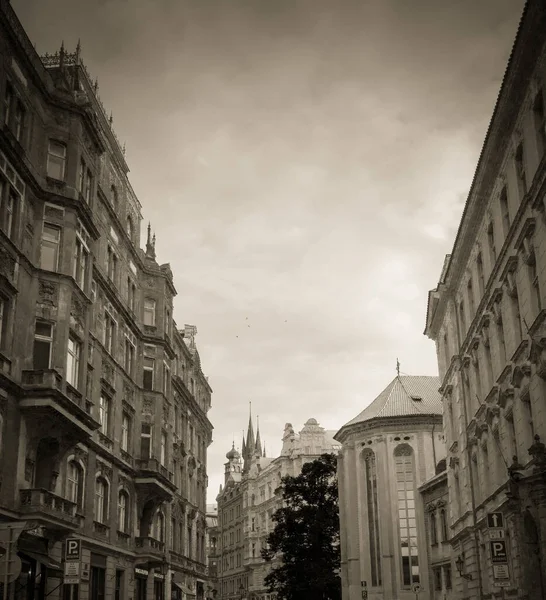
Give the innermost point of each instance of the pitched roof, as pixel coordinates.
(406, 395)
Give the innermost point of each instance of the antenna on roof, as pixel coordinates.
(397, 368)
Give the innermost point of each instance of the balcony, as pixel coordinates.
(48, 399)
(150, 551)
(156, 479)
(50, 510)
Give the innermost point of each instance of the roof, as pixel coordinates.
(399, 399)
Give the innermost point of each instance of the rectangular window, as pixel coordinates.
(118, 590)
(163, 458)
(149, 312)
(146, 441)
(19, 120)
(104, 414)
(88, 186)
(112, 265)
(148, 374)
(73, 362)
(125, 431)
(43, 342)
(56, 160)
(447, 577)
(98, 583)
(11, 209)
(131, 293)
(81, 176)
(51, 240)
(129, 356)
(8, 100)
(81, 260)
(109, 333)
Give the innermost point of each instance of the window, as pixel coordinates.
(163, 456)
(481, 278)
(43, 341)
(470, 290)
(11, 209)
(159, 526)
(74, 482)
(520, 170)
(19, 120)
(148, 373)
(405, 485)
(123, 513)
(125, 431)
(443, 525)
(109, 332)
(73, 361)
(131, 294)
(373, 517)
(166, 379)
(112, 264)
(115, 199)
(491, 243)
(101, 500)
(447, 577)
(56, 160)
(540, 124)
(98, 583)
(129, 356)
(118, 590)
(433, 529)
(149, 312)
(51, 238)
(505, 211)
(146, 441)
(8, 100)
(81, 260)
(104, 414)
(437, 578)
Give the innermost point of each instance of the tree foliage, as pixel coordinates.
(303, 549)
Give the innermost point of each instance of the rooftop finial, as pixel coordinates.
(111, 119)
(78, 52)
(96, 85)
(61, 56)
(397, 368)
(150, 244)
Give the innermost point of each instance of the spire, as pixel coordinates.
(61, 56)
(78, 52)
(258, 447)
(250, 441)
(150, 244)
(243, 445)
(264, 454)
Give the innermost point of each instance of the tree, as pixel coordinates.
(304, 546)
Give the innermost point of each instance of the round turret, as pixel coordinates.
(233, 454)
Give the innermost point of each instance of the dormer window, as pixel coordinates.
(416, 398)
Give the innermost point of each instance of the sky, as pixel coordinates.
(304, 164)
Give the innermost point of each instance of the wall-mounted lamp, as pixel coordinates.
(459, 564)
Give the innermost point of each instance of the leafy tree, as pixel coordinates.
(304, 546)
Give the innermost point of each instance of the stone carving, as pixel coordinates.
(77, 311)
(105, 470)
(81, 455)
(538, 453)
(538, 354)
(48, 293)
(148, 405)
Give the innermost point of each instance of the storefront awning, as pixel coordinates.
(42, 558)
(183, 588)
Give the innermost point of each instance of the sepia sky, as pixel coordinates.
(304, 164)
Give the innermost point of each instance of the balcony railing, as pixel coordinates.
(152, 465)
(44, 501)
(148, 544)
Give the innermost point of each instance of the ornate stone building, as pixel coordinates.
(391, 448)
(435, 503)
(213, 551)
(487, 316)
(103, 403)
(247, 502)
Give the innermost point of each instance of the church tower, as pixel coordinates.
(232, 471)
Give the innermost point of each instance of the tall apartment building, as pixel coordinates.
(249, 499)
(103, 409)
(487, 316)
(213, 546)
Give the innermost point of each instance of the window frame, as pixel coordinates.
(101, 500)
(40, 338)
(105, 407)
(60, 158)
(73, 367)
(149, 310)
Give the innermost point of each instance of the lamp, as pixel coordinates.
(459, 564)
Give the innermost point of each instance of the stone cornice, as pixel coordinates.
(379, 424)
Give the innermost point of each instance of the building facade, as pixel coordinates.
(435, 503)
(249, 499)
(389, 450)
(213, 551)
(103, 410)
(487, 316)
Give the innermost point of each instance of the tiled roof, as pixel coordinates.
(396, 399)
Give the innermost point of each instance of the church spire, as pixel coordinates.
(258, 446)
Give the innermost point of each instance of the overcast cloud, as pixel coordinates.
(304, 164)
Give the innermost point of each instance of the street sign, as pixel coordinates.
(72, 568)
(496, 534)
(364, 594)
(71, 580)
(501, 583)
(498, 552)
(415, 588)
(73, 549)
(501, 572)
(495, 520)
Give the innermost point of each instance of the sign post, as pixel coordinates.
(498, 550)
(72, 566)
(416, 589)
(364, 586)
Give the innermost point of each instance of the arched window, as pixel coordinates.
(101, 500)
(123, 511)
(443, 525)
(405, 486)
(115, 202)
(159, 526)
(373, 516)
(433, 528)
(130, 227)
(74, 482)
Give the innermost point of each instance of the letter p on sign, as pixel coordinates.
(73, 548)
